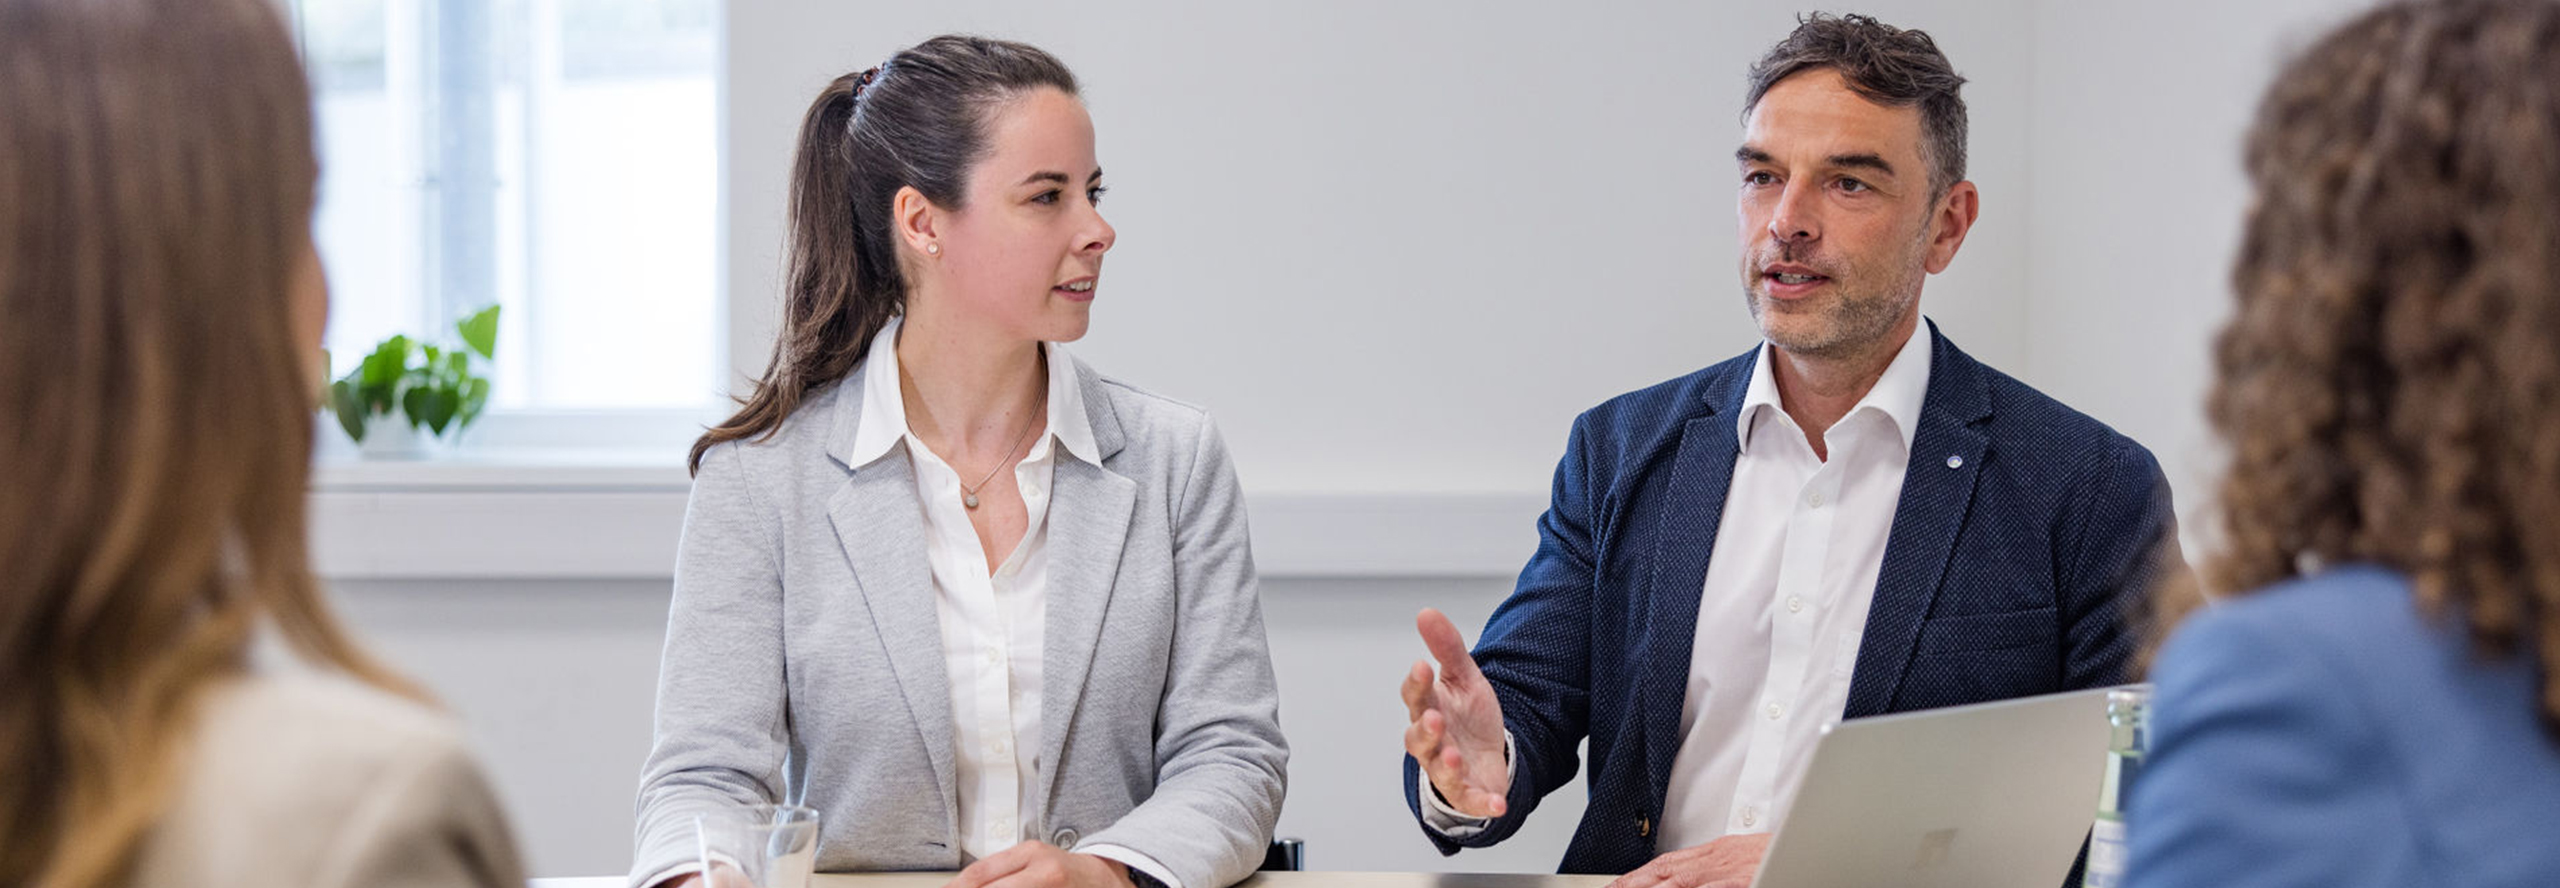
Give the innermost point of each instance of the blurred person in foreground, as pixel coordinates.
(161, 309)
(2373, 702)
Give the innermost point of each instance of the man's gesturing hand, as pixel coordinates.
(1457, 723)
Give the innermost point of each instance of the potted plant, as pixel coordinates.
(407, 387)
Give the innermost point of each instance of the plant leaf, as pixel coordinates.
(433, 406)
(349, 407)
(475, 396)
(383, 368)
(445, 404)
(480, 331)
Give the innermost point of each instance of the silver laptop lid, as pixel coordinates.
(1994, 795)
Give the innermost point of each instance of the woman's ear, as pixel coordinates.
(917, 221)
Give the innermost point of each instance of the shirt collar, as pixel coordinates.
(884, 409)
(1068, 421)
(1897, 395)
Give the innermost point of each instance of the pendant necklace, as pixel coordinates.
(969, 493)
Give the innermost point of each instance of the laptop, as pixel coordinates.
(1993, 795)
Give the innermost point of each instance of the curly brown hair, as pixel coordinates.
(2389, 380)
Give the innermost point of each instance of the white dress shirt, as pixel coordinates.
(1784, 604)
(992, 624)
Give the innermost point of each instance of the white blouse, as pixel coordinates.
(992, 624)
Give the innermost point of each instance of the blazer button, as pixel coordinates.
(1065, 838)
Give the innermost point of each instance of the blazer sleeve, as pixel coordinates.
(2261, 771)
(721, 733)
(1536, 652)
(1221, 763)
(431, 821)
(2123, 544)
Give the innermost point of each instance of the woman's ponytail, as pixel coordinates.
(917, 120)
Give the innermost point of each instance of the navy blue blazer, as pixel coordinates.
(2326, 733)
(2024, 533)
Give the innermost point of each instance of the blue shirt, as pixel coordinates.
(2325, 733)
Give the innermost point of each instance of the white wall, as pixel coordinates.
(1395, 247)
(2136, 196)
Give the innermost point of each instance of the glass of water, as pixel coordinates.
(758, 846)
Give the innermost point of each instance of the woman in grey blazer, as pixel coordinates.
(977, 604)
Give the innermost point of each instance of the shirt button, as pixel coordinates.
(1816, 499)
(1775, 711)
(1795, 604)
(1750, 817)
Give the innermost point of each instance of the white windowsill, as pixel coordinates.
(519, 471)
(615, 513)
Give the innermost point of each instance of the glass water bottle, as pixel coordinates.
(2127, 708)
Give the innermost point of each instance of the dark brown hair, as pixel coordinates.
(2388, 383)
(918, 120)
(156, 179)
(1888, 66)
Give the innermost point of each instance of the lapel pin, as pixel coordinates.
(1955, 462)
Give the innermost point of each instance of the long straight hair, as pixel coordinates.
(156, 182)
(918, 120)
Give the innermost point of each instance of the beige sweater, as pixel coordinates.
(318, 780)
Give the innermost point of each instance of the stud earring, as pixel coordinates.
(935, 249)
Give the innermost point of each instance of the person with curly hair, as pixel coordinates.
(2376, 698)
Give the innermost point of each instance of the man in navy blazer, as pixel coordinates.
(1854, 518)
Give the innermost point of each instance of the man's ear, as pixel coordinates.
(1950, 221)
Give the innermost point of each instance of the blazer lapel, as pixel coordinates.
(1089, 513)
(877, 519)
(1937, 493)
(1692, 508)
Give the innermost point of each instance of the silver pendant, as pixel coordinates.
(970, 500)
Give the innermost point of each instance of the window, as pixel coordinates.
(557, 157)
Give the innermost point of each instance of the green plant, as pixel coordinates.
(432, 385)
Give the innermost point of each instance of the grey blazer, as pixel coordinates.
(803, 660)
